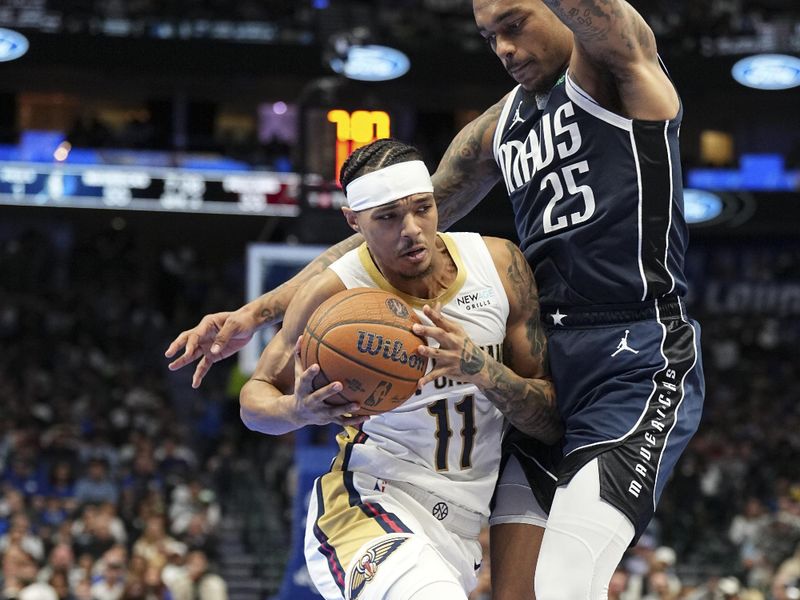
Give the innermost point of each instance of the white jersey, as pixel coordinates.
(446, 438)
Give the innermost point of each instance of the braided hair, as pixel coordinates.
(376, 155)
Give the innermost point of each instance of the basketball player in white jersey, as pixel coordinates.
(399, 513)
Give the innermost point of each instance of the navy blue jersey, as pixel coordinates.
(598, 198)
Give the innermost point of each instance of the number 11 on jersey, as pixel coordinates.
(440, 410)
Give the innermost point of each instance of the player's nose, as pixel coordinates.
(505, 49)
(410, 226)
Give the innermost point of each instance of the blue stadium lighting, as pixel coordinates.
(756, 172)
(700, 206)
(372, 63)
(768, 71)
(12, 45)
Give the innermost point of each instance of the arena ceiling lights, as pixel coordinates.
(356, 54)
(701, 206)
(768, 71)
(372, 63)
(12, 45)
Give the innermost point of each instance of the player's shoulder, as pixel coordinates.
(501, 249)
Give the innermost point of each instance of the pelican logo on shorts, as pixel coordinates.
(440, 511)
(366, 566)
(397, 307)
(394, 350)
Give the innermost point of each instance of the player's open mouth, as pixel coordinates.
(415, 254)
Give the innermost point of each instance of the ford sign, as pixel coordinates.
(768, 71)
(12, 45)
(700, 206)
(372, 63)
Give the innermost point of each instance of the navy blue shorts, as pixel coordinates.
(629, 388)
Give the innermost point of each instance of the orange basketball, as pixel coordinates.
(362, 337)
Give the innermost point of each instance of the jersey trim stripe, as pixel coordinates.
(590, 105)
(501, 122)
(639, 216)
(671, 192)
(334, 566)
(654, 166)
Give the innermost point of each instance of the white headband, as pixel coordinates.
(388, 185)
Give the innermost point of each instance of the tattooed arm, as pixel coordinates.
(615, 58)
(220, 335)
(467, 170)
(518, 385)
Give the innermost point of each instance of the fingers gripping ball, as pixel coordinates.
(362, 337)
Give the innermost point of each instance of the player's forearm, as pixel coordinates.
(528, 404)
(263, 408)
(271, 307)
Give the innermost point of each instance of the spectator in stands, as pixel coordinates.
(60, 584)
(93, 532)
(199, 582)
(96, 486)
(61, 560)
(154, 543)
(61, 482)
(111, 582)
(20, 535)
(19, 570)
(190, 501)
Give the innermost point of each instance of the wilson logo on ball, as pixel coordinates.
(394, 350)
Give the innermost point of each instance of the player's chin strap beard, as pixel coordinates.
(425, 273)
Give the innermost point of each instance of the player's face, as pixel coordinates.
(533, 45)
(401, 236)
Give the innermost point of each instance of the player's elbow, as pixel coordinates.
(247, 419)
(247, 410)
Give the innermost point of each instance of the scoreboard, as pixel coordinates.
(231, 192)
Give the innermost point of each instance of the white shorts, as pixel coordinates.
(364, 533)
(514, 501)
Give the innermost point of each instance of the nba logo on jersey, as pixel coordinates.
(366, 566)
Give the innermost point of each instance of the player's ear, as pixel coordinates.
(352, 219)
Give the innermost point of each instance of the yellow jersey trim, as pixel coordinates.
(446, 296)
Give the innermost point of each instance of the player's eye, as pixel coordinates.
(491, 40)
(515, 26)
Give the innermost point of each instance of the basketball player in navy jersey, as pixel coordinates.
(587, 148)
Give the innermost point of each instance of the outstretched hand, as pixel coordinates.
(311, 407)
(215, 337)
(457, 356)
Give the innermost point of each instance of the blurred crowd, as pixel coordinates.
(110, 485)
(115, 475)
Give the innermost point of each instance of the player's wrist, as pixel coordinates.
(264, 311)
(483, 378)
